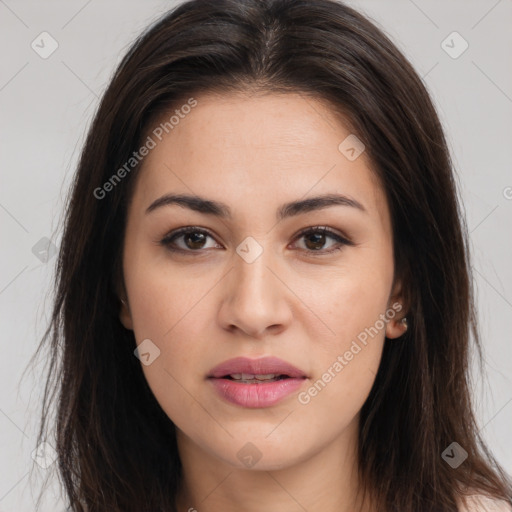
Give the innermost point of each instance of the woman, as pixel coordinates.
(264, 293)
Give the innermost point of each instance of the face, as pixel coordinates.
(310, 284)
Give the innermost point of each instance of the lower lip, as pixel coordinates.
(256, 395)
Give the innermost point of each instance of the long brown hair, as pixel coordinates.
(116, 447)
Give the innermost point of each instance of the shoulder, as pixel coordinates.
(481, 503)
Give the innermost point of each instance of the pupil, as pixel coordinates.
(319, 238)
(194, 237)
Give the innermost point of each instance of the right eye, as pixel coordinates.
(192, 237)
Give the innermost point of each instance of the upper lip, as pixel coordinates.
(262, 366)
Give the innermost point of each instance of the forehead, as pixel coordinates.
(281, 127)
(255, 147)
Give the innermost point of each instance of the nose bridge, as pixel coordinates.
(254, 301)
(252, 275)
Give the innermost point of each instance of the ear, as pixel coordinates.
(119, 289)
(397, 326)
(125, 315)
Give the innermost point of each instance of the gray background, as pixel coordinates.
(46, 105)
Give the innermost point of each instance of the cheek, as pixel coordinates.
(346, 365)
(168, 310)
(161, 294)
(173, 375)
(353, 302)
(348, 358)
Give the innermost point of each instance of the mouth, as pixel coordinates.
(257, 370)
(247, 378)
(256, 383)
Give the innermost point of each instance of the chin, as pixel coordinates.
(256, 453)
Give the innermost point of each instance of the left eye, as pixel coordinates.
(318, 235)
(195, 239)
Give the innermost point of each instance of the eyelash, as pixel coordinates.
(169, 239)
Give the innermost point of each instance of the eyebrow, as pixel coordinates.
(221, 210)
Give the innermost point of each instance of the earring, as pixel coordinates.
(404, 322)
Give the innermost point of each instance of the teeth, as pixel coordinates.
(267, 377)
(252, 377)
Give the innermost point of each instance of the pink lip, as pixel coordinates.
(256, 395)
(262, 366)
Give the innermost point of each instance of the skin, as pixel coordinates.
(200, 308)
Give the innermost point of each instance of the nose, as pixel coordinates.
(256, 300)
